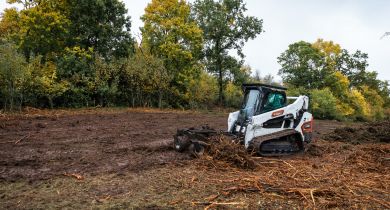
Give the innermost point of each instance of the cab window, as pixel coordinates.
(273, 101)
(251, 102)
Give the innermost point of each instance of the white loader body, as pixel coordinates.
(255, 127)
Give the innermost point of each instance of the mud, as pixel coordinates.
(124, 159)
(42, 145)
(375, 132)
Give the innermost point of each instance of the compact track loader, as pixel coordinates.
(266, 124)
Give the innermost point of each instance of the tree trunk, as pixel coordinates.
(11, 90)
(220, 81)
(50, 101)
(218, 66)
(160, 99)
(101, 100)
(132, 98)
(21, 102)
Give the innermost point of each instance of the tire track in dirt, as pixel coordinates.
(92, 143)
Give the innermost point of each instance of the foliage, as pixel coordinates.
(144, 79)
(384, 92)
(105, 88)
(173, 37)
(43, 82)
(240, 75)
(75, 67)
(296, 91)
(203, 93)
(39, 30)
(12, 75)
(359, 104)
(329, 49)
(80, 53)
(47, 26)
(234, 95)
(375, 102)
(324, 104)
(102, 25)
(267, 79)
(9, 23)
(325, 64)
(225, 27)
(338, 84)
(303, 66)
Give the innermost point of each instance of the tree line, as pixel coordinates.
(337, 81)
(81, 53)
(68, 53)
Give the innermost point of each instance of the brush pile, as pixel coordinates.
(368, 132)
(224, 149)
(330, 174)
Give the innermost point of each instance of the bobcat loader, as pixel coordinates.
(266, 124)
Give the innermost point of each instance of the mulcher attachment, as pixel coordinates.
(193, 139)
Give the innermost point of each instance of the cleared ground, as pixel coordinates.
(123, 158)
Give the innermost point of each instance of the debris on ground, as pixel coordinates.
(368, 132)
(222, 148)
(140, 169)
(331, 174)
(76, 176)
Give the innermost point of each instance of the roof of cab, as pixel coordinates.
(245, 85)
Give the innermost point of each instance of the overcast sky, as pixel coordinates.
(354, 24)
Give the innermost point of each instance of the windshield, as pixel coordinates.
(251, 102)
(273, 101)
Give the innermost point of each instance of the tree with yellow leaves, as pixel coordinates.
(172, 36)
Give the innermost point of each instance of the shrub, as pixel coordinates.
(233, 95)
(203, 93)
(375, 102)
(13, 72)
(360, 105)
(324, 104)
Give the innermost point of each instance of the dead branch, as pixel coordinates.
(77, 176)
(23, 138)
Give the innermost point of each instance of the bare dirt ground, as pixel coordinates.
(123, 158)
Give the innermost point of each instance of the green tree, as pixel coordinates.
(47, 26)
(75, 67)
(325, 64)
(375, 101)
(233, 95)
(26, 3)
(9, 24)
(144, 79)
(12, 75)
(99, 24)
(203, 93)
(303, 66)
(172, 36)
(310, 65)
(43, 81)
(324, 104)
(225, 27)
(37, 30)
(354, 67)
(384, 92)
(239, 74)
(106, 80)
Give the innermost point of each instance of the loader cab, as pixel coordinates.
(261, 98)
